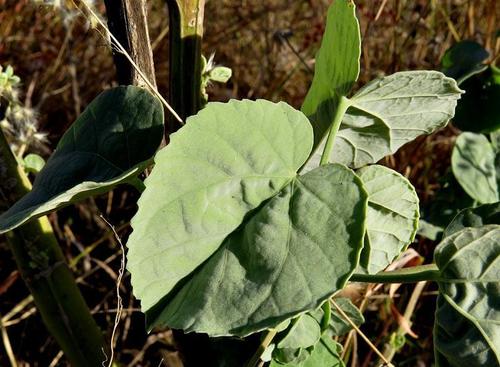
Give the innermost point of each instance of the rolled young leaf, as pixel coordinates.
(117, 132)
(467, 326)
(473, 164)
(336, 68)
(392, 217)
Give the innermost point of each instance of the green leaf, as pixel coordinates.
(479, 110)
(225, 162)
(388, 113)
(337, 66)
(304, 332)
(467, 326)
(326, 353)
(392, 217)
(33, 163)
(290, 254)
(474, 217)
(473, 164)
(220, 74)
(463, 60)
(338, 324)
(391, 111)
(495, 141)
(429, 230)
(107, 145)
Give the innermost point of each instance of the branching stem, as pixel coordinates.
(342, 107)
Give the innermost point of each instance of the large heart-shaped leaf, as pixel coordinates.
(290, 255)
(467, 326)
(105, 146)
(226, 161)
(473, 164)
(336, 68)
(474, 217)
(388, 113)
(392, 217)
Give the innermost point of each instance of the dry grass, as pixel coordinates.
(270, 46)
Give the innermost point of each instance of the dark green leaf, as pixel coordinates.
(467, 326)
(478, 110)
(474, 217)
(107, 145)
(463, 59)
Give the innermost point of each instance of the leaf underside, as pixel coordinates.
(388, 113)
(241, 248)
(294, 252)
(467, 326)
(105, 146)
(473, 164)
(391, 219)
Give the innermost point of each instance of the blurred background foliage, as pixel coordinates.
(64, 62)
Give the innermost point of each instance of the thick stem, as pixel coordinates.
(342, 107)
(127, 21)
(186, 32)
(414, 274)
(43, 268)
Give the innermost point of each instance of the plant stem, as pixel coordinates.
(414, 274)
(342, 107)
(186, 32)
(268, 338)
(50, 281)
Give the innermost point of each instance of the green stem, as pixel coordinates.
(414, 274)
(268, 338)
(342, 107)
(50, 281)
(186, 32)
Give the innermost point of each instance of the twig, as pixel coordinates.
(132, 62)
(353, 325)
(7, 345)
(119, 306)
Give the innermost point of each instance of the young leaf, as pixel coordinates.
(392, 217)
(466, 330)
(473, 164)
(225, 162)
(391, 111)
(338, 324)
(474, 217)
(289, 256)
(33, 163)
(304, 332)
(326, 353)
(105, 146)
(337, 66)
(463, 60)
